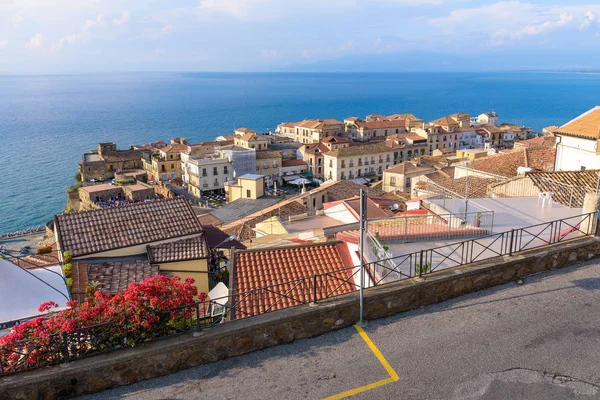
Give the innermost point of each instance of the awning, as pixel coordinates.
(289, 178)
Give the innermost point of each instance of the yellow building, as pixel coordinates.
(398, 178)
(185, 258)
(249, 186)
(126, 233)
(252, 141)
(166, 162)
(471, 154)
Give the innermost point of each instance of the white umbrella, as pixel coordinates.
(300, 181)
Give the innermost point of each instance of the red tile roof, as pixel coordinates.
(506, 164)
(293, 163)
(586, 125)
(282, 268)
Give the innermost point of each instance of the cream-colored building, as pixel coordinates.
(166, 162)
(365, 131)
(368, 161)
(411, 121)
(488, 118)
(249, 186)
(313, 153)
(252, 141)
(398, 178)
(206, 173)
(268, 163)
(315, 130)
(406, 146)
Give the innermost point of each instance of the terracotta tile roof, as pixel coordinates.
(289, 124)
(175, 148)
(192, 248)
(408, 168)
(267, 154)
(339, 190)
(121, 155)
(336, 139)
(586, 125)
(37, 260)
(281, 268)
(542, 141)
(318, 123)
(112, 228)
(381, 124)
(245, 130)
(560, 183)
(445, 121)
(373, 207)
(506, 164)
(112, 277)
(408, 116)
(253, 137)
(375, 148)
(208, 220)
(475, 188)
(293, 163)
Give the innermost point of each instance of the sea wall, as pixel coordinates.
(239, 337)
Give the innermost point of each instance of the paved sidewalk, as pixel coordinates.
(539, 340)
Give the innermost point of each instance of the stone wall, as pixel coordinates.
(166, 356)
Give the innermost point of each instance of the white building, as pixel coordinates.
(490, 118)
(577, 142)
(206, 173)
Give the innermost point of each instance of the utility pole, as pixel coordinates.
(363, 227)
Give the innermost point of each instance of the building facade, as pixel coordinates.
(207, 173)
(367, 161)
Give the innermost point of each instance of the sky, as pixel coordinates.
(72, 36)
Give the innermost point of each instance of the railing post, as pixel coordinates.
(512, 236)
(314, 288)
(198, 315)
(421, 264)
(65, 346)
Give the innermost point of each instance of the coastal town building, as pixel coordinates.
(287, 129)
(313, 153)
(407, 146)
(374, 129)
(349, 162)
(315, 130)
(441, 136)
(249, 186)
(398, 178)
(205, 174)
(106, 195)
(243, 160)
(268, 163)
(103, 162)
(411, 121)
(252, 141)
(509, 164)
(293, 169)
(489, 117)
(577, 142)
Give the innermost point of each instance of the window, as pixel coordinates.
(172, 166)
(215, 171)
(323, 199)
(582, 168)
(171, 156)
(393, 180)
(314, 203)
(385, 132)
(216, 182)
(330, 163)
(204, 172)
(248, 193)
(396, 130)
(225, 170)
(343, 164)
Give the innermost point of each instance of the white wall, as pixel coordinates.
(573, 153)
(341, 213)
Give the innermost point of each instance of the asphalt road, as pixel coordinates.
(538, 340)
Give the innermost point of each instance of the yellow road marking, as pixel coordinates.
(393, 375)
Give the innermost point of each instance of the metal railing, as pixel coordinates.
(311, 289)
(414, 228)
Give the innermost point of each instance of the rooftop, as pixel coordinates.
(241, 208)
(192, 248)
(408, 168)
(106, 229)
(282, 266)
(506, 164)
(113, 277)
(293, 163)
(365, 149)
(267, 154)
(586, 125)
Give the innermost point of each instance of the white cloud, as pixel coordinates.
(590, 17)
(80, 36)
(166, 30)
(35, 41)
(20, 16)
(3, 43)
(271, 54)
(512, 20)
(239, 9)
(124, 18)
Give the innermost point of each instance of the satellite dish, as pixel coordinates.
(396, 206)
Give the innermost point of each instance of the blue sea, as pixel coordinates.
(47, 121)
